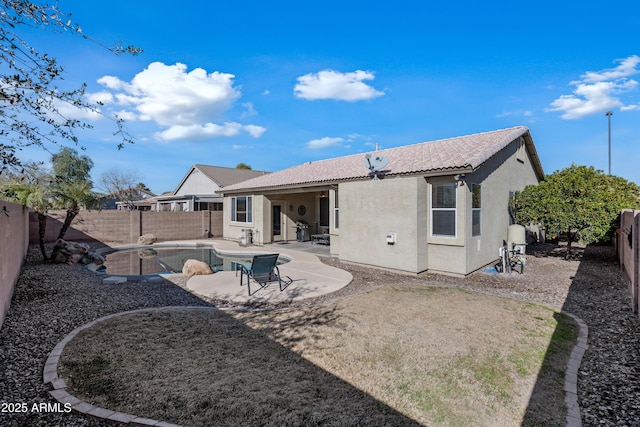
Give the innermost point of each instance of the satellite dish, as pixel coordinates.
(375, 163)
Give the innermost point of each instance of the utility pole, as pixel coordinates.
(609, 114)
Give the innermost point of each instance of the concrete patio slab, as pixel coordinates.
(311, 277)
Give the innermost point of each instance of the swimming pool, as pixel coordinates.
(149, 260)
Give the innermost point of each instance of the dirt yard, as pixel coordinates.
(387, 350)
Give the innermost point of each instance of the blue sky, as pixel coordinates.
(275, 84)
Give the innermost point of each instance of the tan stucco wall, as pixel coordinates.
(197, 183)
(447, 254)
(498, 176)
(371, 209)
(233, 230)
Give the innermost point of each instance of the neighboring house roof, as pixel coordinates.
(222, 176)
(461, 154)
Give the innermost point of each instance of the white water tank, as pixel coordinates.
(517, 238)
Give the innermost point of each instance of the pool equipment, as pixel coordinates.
(512, 253)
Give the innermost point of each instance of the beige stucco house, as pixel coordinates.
(197, 190)
(440, 206)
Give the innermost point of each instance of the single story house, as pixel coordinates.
(441, 206)
(197, 190)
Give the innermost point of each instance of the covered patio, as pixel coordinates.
(304, 214)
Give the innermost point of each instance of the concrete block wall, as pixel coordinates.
(124, 227)
(628, 245)
(14, 235)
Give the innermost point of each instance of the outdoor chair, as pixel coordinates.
(263, 270)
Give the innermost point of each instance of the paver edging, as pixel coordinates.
(59, 392)
(59, 386)
(574, 418)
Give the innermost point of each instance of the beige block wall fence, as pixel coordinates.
(628, 243)
(124, 227)
(14, 242)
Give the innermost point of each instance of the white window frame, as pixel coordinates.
(248, 212)
(444, 209)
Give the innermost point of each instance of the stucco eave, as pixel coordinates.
(314, 186)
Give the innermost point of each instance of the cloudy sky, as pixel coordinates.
(275, 85)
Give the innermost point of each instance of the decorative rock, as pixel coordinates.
(147, 239)
(147, 254)
(193, 267)
(92, 258)
(72, 253)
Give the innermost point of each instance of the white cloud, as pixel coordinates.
(126, 115)
(517, 113)
(329, 84)
(187, 104)
(249, 109)
(255, 131)
(630, 107)
(111, 82)
(325, 142)
(599, 91)
(626, 68)
(103, 97)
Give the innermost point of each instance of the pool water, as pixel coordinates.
(145, 261)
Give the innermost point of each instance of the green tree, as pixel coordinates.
(580, 201)
(71, 184)
(243, 166)
(30, 98)
(32, 189)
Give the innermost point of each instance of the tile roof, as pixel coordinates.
(224, 176)
(452, 154)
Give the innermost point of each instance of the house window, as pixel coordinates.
(208, 206)
(336, 210)
(443, 209)
(324, 212)
(241, 209)
(476, 210)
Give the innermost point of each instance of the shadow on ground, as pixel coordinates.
(599, 296)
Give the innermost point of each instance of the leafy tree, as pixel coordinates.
(580, 201)
(32, 189)
(30, 99)
(71, 184)
(243, 166)
(143, 186)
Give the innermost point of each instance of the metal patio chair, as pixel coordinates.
(263, 270)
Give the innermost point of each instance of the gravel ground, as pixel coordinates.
(52, 300)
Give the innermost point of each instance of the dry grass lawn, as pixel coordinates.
(399, 355)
